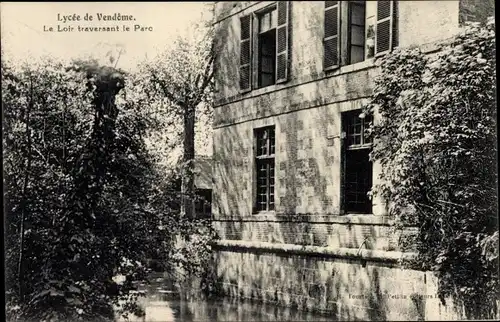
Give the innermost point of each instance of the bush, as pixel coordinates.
(436, 142)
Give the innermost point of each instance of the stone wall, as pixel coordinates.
(307, 159)
(423, 22)
(372, 235)
(345, 288)
(306, 112)
(308, 169)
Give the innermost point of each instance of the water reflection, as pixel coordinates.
(163, 304)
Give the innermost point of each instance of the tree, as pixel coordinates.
(181, 78)
(78, 186)
(436, 141)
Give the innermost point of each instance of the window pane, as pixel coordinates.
(265, 168)
(357, 139)
(358, 181)
(357, 32)
(268, 44)
(358, 14)
(263, 150)
(358, 35)
(262, 188)
(357, 54)
(267, 21)
(267, 79)
(267, 65)
(357, 128)
(267, 58)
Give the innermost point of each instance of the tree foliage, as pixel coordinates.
(176, 86)
(180, 79)
(436, 142)
(84, 201)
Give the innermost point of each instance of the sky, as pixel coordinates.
(26, 35)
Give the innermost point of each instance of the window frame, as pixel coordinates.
(261, 55)
(350, 4)
(256, 58)
(268, 159)
(346, 149)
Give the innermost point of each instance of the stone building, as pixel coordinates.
(291, 168)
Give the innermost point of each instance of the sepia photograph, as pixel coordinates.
(257, 161)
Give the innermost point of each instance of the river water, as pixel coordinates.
(161, 303)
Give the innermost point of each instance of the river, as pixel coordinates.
(161, 303)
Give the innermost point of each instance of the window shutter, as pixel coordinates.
(386, 33)
(282, 42)
(395, 24)
(331, 42)
(246, 53)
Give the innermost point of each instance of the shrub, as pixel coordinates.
(436, 142)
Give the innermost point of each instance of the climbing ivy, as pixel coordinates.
(435, 139)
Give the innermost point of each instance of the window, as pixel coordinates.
(203, 203)
(356, 38)
(267, 48)
(264, 162)
(264, 47)
(357, 167)
(354, 31)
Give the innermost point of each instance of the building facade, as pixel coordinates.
(291, 170)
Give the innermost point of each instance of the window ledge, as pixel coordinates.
(349, 253)
(365, 64)
(264, 90)
(348, 219)
(256, 216)
(253, 93)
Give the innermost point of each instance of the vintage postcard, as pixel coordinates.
(250, 160)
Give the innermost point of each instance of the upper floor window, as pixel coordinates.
(267, 48)
(264, 47)
(356, 36)
(357, 30)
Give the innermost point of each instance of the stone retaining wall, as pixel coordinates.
(349, 284)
